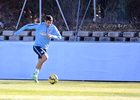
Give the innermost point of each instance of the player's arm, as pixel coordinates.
(28, 26)
(56, 34)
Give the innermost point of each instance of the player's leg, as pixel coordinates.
(41, 61)
(42, 57)
(39, 66)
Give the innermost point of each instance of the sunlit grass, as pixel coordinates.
(69, 90)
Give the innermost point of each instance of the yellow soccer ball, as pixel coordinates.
(53, 79)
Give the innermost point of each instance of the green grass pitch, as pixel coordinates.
(68, 90)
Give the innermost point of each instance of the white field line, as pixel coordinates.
(27, 97)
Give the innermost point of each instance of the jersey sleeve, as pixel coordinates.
(28, 26)
(57, 34)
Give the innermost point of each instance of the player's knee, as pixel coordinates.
(45, 57)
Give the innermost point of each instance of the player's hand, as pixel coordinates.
(49, 35)
(14, 36)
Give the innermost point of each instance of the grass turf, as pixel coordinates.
(69, 90)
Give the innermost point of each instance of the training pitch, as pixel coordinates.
(68, 90)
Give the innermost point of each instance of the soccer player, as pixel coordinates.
(44, 33)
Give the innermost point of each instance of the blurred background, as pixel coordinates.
(110, 14)
(99, 49)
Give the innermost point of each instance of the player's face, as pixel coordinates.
(48, 23)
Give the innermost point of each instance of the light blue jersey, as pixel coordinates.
(42, 40)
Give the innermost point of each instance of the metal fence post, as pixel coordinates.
(78, 16)
(77, 20)
(40, 11)
(84, 15)
(21, 13)
(62, 15)
(95, 11)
